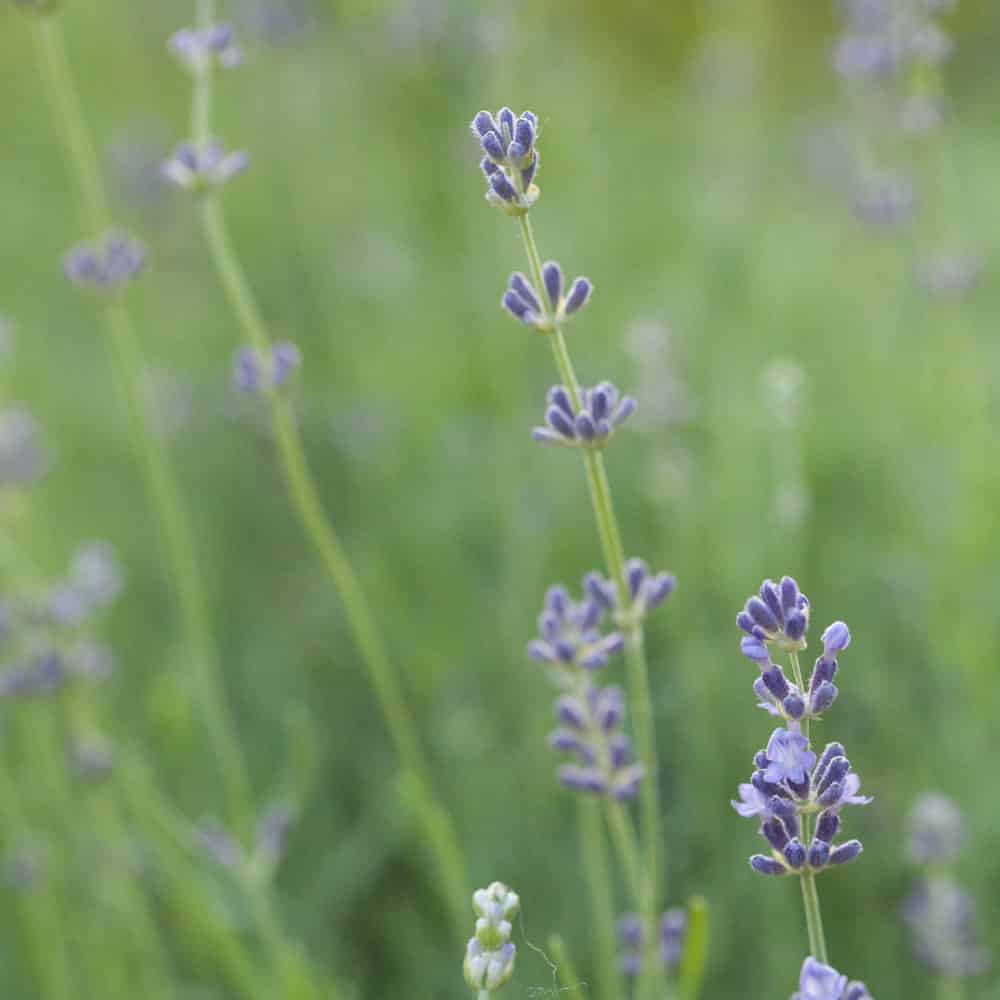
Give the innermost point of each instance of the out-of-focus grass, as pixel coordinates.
(363, 227)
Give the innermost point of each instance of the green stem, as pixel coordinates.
(565, 968)
(638, 674)
(814, 919)
(161, 482)
(601, 892)
(623, 837)
(434, 820)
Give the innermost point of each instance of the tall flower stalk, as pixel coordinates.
(113, 270)
(585, 419)
(262, 366)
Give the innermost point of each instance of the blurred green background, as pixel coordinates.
(806, 409)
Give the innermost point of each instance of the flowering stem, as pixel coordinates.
(598, 876)
(436, 823)
(565, 968)
(160, 479)
(814, 919)
(623, 835)
(638, 674)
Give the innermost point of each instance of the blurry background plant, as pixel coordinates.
(682, 136)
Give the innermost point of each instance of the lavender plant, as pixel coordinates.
(571, 641)
(201, 167)
(796, 795)
(490, 953)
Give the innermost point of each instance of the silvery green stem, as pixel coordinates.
(638, 674)
(814, 919)
(161, 481)
(601, 892)
(319, 529)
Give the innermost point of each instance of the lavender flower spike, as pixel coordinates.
(510, 159)
(252, 374)
(602, 411)
(489, 955)
(211, 166)
(105, 266)
(821, 982)
(199, 49)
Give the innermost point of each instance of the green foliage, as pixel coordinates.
(362, 225)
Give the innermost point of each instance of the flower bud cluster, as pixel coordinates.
(490, 953)
(510, 159)
(200, 49)
(821, 982)
(525, 303)
(194, 169)
(107, 265)
(602, 411)
(646, 592)
(253, 374)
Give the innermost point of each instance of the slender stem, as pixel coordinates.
(814, 919)
(623, 837)
(638, 673)
(601, 892)
(435, 821)
(565, 969)
(162, 484)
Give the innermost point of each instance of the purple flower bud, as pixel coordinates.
(775, 680)
(770, 595)
(830, 751)
(835, 771)
(847, 851)
(528, 172)
(659, 589)
(819, 854)
(836, 638)
(789, 595)
(775, 834)
(553, 278)
(488, 166)
(795, 625)
(579, 294)
(823, 697)
(636, 572)
(746, 623)
(520, 285)
(795, 854)
(570, 711)
(541, 651)
(483, 123)
(831, 795)
(559, 422)
(524, 132)
(626, 783)
(564, 739)
(518, 308)
(761, 614)
(517, 154)
(502, 187)
(623, 411)
(586, 427)
(583, 779)
(599, 403)
(767, 866)
(824, 670)
(565, 650)
(506, 121)
(558, 396)
(754, 649)
(620, 751)
(827, 826)
(285, 361)
(794, 705)
(246, 370)
(493, 148)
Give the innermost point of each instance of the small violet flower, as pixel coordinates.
(570, 635)
(646, 591)
(105, 266)
(194, 169)
(525, 303)
(199, 49)
(252, 374)
(821, 982)
(602, 411)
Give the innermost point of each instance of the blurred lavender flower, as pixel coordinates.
(198, 170)
(886, 200)
(646, 591)
(107, 265)
(511, 160)
(590, 727)
(218, 845)
(490, 954)
(936, 830)
(631, 940)
(949, 274)
(251, 374)
(942, 920)
(272, 835)
(570, 635)
(22, 868)
(821, 982)
(91, 760)
(789, 783)
(198, 49)
(22, 458)
(602, 412)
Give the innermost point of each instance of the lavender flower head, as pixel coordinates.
(194, 169)
(549, 309)
(936, 830)
(788, 785)
(510, 159)
(200, 49)
(22, 458)
(646, 591)
(631, 940)
(252, 374)
(601, 412)
(489, 955)
(821, 982)
(591, 728)
(107, 265)
(570, 636)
